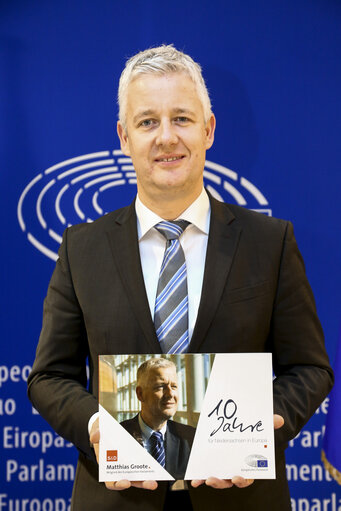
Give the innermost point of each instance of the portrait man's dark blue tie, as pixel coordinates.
(171, 305)
(157, 449)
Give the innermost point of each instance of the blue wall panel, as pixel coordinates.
(273, 70)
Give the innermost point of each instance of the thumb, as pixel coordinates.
(278, 421)
(94, 433)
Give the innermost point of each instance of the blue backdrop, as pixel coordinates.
(273, 71)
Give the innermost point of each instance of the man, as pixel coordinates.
(245, 290)
(157, 391)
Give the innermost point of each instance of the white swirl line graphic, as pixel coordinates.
(76, 204)
(254, 191)
(83, 167)
(212, 177)
(40, 198)
(222, 170)
(103, 178)
(21, 200)
(95, 203)
(110, 185)
(55, 236)
(214, 193)
(80, 188)
(76, 159)
(57, 203)
(46, 251)
(92, 173)
(235, 194)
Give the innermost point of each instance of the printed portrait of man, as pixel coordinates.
(168, 441)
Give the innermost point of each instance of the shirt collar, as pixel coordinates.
(147, 431)
(198, 214)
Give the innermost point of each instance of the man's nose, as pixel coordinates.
(166, 133)
(171, 391)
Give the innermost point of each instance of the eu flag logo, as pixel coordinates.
(262, 463)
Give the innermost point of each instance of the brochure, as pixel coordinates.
(214, 412)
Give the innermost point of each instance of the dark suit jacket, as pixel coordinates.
(255, 298)
(178, 443)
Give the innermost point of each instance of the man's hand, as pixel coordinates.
(123, 484)
(238, 481)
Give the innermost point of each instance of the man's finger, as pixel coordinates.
(94, 433)
(278, 421)
(94, 437)
(240, 482)
(96, 449)
(145, 485)
(124, 484)
(219, 484)
(197, 482)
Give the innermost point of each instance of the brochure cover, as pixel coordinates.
(187, 416)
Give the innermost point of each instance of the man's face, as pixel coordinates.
(158, 395)
(166, 136)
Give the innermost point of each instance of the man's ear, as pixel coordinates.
(123, 136)
(139, 393)
(210, 129)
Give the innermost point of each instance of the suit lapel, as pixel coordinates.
(172, 452)
(124, 246)
(222, 244)
(134, 430)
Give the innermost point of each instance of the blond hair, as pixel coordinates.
(150, 364)
(162, 60)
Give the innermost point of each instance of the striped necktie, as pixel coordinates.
(171, 305)
(157, 449)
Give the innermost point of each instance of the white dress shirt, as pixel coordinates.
(147, 432)
(152, 246)
(194, 239)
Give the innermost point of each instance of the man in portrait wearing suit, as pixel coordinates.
(168, 441)
(176, 271)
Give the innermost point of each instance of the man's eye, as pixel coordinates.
(181, 119)
(146, 123)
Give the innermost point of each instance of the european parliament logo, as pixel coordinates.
(86, 187)
(257, 461)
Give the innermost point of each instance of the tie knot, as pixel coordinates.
(172, 230)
